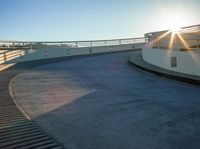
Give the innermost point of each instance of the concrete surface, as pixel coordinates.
(101, 102)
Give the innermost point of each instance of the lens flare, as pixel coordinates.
(174, 18)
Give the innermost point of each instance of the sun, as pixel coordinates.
(174, 23)
(173, 20)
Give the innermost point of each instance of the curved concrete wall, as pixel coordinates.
(47, 53)
(187, 62)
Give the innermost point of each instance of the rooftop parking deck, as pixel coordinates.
(102, 102)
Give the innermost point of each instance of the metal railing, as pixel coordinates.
(187, 29)
(185, 38)
(190, 29)
(23, 45)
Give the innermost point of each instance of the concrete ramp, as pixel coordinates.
(102, 102)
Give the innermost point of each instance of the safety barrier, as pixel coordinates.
(14, 45)
(20, 51)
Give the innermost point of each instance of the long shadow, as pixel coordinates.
(99, 120)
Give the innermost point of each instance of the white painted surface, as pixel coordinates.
(46, 53)
(187, 62)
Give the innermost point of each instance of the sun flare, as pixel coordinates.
(175, 23)
(173, 20)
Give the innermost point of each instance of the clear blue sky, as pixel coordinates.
(51, 20)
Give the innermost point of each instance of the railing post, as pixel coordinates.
(4, 56)
(120, 42)
(31, 46)
(90, 43)
(13, 46)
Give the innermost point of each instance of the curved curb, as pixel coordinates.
(137, 61)
(13, 97)
(17, 130)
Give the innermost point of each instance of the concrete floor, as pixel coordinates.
(102, 102)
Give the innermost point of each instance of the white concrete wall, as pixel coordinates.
(47, 53)
(188, 62)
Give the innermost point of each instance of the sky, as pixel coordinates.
(64, 20)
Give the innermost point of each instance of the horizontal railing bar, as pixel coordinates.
(187, 29)
(46, 42)
(193, 26)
